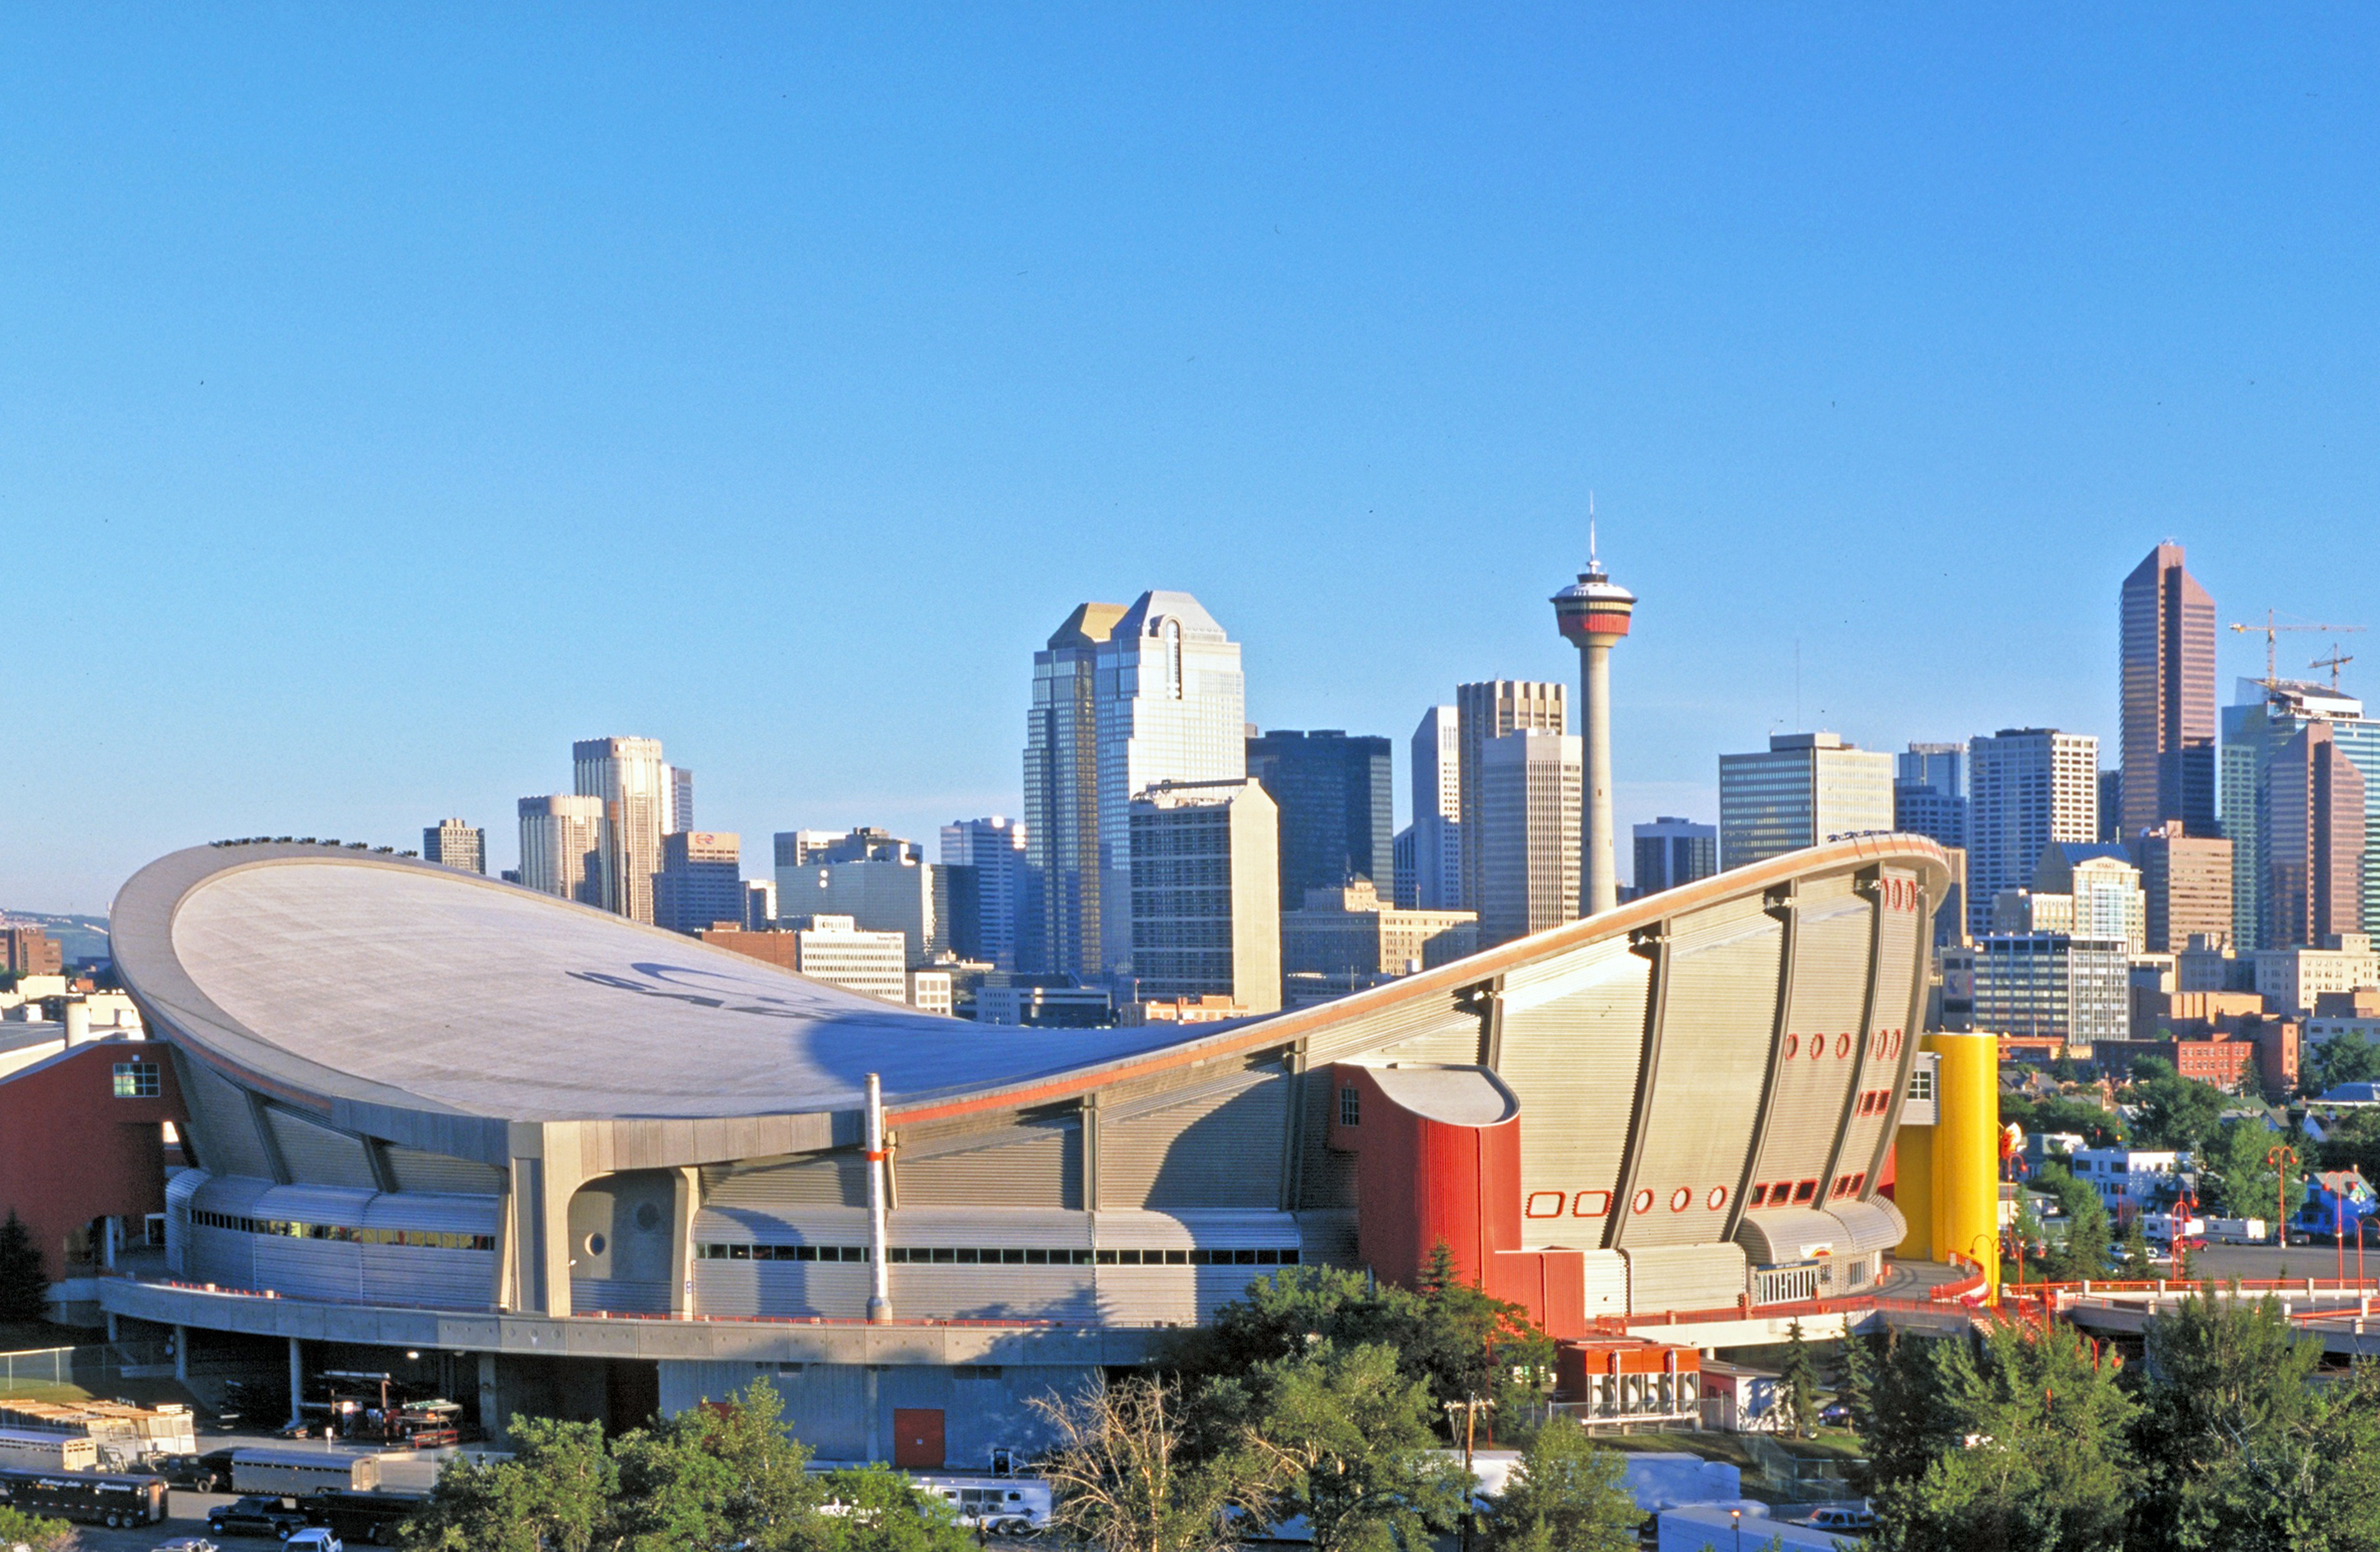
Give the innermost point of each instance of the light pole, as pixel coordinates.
(1735, 1520)
(2280, 1157)
(1471, 1407)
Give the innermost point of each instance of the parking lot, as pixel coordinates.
(186, 1512)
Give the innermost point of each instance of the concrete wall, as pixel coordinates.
(844, 1412)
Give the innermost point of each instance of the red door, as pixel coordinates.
(918, 1438)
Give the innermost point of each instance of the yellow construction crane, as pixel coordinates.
(2271, 632)
(2336, 660)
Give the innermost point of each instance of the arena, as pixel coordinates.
(604, 1169)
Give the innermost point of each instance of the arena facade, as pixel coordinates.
(620, 1169)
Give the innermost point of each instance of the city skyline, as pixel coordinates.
(1847, 323)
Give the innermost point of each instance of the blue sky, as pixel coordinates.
(389, 395)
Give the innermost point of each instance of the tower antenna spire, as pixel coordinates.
(1594, 563)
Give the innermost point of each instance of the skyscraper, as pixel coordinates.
(1671, 852)
(1527, 824)
(1205, 894)
(678, 783)
(626, 773)
(991, 891)
(2266, 717)
(1061, 792)
(2188, 881)
(1171, 706)
(1929, 792)
(453, 844)
(2168, 664)
(561, 847)
(2313, 825)
(1337, 808)
(1485, 712)
(2026, 788)
(1805, 788)
(700, 884)
(1436, 878)
(1593, 615)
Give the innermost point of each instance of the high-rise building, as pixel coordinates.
(827, 947)
(2311, 822)
(1061, 790)
(29, 951)
(888, 890)
(2026, 788)
(2188, 881)
(991, 891)
(1432, 880)
(1206, 892)
(626, 773)
(2111, 807)
(860, 843)
(1671, 852)
(2100, 877)
(759, 904)
(1929, 792)
(1337, 808)
(2168, 663)
(1485, 712)
(1171, 706)
(561, 847)
(1352, 932)
(1527, 825)
(2053, 986)
(701, 880)
(453, 844)
(1804, 789)
(1593, 615)
(2266, 717)
(677, 781)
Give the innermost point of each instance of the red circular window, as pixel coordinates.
(1643, 1201)
(1717, 1199)
(1793, 1045)
(1681, 1198)
(1817, 1047)
(1842, 1045)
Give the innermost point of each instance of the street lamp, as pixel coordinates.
(2281, 1157)
(1735, 1519)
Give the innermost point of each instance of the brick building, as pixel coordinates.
(29, 951)
(82, 1148)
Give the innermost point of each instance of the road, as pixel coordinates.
(186, 1513)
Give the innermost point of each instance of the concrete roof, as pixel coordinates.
(343, 974)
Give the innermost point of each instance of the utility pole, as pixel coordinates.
(2280, 1157)
(1471, 1407)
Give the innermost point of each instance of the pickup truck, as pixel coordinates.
(257, 1517)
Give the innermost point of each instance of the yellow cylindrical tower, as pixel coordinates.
(1963, 1173)
(1912, 1191)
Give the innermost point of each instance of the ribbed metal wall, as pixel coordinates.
(1817, 1062)
(1684, 1278)
(1570, 1043)
(341, 1270)
(417, 1170)
(1605, 1282)
(823, 1180)
(1718, 1013)
(1216, 1145)
(221, 1123)
(1038, 1164)
(1901, 948)
(1326, 1177)
(318, 1156)
(180, 1188)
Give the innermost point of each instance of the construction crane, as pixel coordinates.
(2271, 633)
(2336, 660)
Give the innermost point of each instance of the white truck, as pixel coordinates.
(2161, 1228)
(25, 1450)
(2238, 1230)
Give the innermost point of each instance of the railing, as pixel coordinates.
(39, 1368)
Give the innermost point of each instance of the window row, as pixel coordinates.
(136, 1080)
(427, 1239)
(972, 1255)
(1875, 1101)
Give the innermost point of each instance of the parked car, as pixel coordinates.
(210, 1473)
(1838, 1518)
(314, 1538)
(257, 1517)
(185, 1544)
(1836, 1414)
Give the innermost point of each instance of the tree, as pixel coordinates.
(879, 1509)
(33, 1530)
(1909, 1422)
(2243, 1184)
(1565, 1495)
(2060, 1112)
(2136, 1263)
(2240, 1448)
(24, 1283)
(720, 1474)
(1348, 1441)
(2026, 1451)
(1125, 1476)
(2352, 1142)
(2176, 1112)
(2342, 1058)
(2084, 1253)
(554, 1494)
(1467, 1343)
(1797, 1384)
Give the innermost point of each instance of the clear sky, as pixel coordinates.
(390, 394)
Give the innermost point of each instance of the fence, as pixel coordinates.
(94, 1368)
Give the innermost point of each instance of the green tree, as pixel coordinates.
(554, 1494)
(2342, 1058)
(879, 1509)
(1467, 1343)
(2061, 1112)
(1349, 1442)
(2085, 1253)
(2176, 1112)
(2135, 1263)
(2241, 1184)
(1797, 1384)
(1909, 1421)
(36, 1532)
(2240, 1448)
(2027, 1450)
(24, 1285)
(2352, 1142)
(1126, 1475)
(1565, 1495)
(715, 1476)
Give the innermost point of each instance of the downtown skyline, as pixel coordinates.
(382, 434)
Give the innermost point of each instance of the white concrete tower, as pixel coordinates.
(1592, 613)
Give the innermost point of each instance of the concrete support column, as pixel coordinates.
(182, 1354)
(875, 1418)
(296, 1381)
(492, 1421)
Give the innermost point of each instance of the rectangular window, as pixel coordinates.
(1350, 1107)
(136, 1080)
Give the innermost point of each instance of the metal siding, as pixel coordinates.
(1364, 1033)
(1684, 1278)
(416, 1275)
(1328, 1238)
(618, 1297)
(222, 1256)
(1831, 944)
(178, 1191)
(993, 1292)
(309, 1269)
(1871, 1225)
(1570, 1045)
(223, 1126)
(454, 1215)
(1038, 1165)
(1219, 1147)
(1901, 936)
(1326, 1177)
(417, 1170)
(1606, 1279)
(837, 1290)
(727, 1223)
(318, 1156)
(1719, 1016)
(1772, 1239)
(826, 1180)
(1454, 1042)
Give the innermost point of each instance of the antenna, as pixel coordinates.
(1592, 562)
